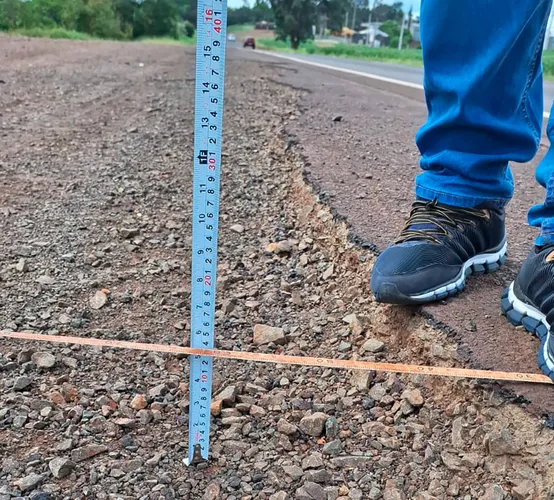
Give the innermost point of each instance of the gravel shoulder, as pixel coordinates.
(95, 205)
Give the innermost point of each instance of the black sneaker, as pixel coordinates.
(529, 301)
(438, 247)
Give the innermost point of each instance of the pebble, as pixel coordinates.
(129, 233)
(86, 452)
(374, 493)
(293, 471)
(159, 390)
(264, 334)
(311, 491)
(333, 447)
(493, 492)
(314, 424)
(22, 266)
(351, 461)
(414, 397)
(372, 345)
(21, 383)
(237, 228)
(524, 490)
(361, 379)
(227, 396)
(313, 461)
(377, 392)
(29, 482)
(43, 359)
(331, 428)
(98, 300)
(280, 495)
(46, 280)
(286, 427)
(501, 443)
(61, 467)
(138, 402)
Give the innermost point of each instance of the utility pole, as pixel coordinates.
(346, 25)
(401, 39)
(354, 16)
(375, 4)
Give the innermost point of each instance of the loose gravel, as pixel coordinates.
(95, 208)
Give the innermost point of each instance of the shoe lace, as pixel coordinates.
(429, 221)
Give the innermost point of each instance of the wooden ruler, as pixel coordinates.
(345, 364)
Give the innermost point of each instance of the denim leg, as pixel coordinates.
(483, 88)
(542, 215)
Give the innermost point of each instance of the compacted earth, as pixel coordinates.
(95, 241)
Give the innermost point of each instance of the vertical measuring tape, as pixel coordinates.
(211, 29)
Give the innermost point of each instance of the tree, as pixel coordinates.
(294, 20)
(334, 12)
(392, 28)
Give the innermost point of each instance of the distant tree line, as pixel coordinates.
(119, 19)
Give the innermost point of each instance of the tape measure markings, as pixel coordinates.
(346, 364)
(208, 120)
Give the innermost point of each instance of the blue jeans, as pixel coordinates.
(484, 92)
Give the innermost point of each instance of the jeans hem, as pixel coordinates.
(459, 201)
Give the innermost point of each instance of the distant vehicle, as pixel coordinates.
(249, 42)
(232, 38)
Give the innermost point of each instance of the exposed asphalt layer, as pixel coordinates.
(364, 166)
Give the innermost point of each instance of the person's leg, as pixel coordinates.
(483, 88)
(529, 300)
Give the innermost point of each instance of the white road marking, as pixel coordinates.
(353, 72)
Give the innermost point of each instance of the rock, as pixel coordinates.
(24, 356)
(128, 423)
(129, 233)
(501, 443)
(98, 300)
(43, 359)
(374, 493)
(264, 334)
(61, 467)
(237, 228)
(46, 280)
(212, 492)
(29, 482)
(319, 476)
(337, 118)
(372, 345)
(21, 383)
(286, 427)
(280, 247)
(311, 491)
(280, 495)
(332, 448)
(22, 266)
(331, 428)
(524, 490)
(377, 392)
(328, 272)
(351, 461)
(414, 397)
(293, 471)
(354, 323)
(19, 421)
(145, 416)
(139, 402)
(158, 391)
(451, 461)
(493, 492)
(313, 461)
(64, 319)
(216, 407)
(314, 424)
(393, 494)
(457, 429)
(227, 396)
(86, 452)
(361, 379)
(356, 494)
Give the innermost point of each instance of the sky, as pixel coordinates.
(407, 4)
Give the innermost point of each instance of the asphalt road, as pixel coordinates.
(409, 74)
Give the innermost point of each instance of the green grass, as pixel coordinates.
(411, 57)
(53, 33)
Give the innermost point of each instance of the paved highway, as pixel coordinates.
(408, 74)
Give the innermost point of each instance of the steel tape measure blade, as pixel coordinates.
(208, 119)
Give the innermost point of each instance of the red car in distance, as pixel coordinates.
(249, 42)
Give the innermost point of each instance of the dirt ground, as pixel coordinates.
(95, 204)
